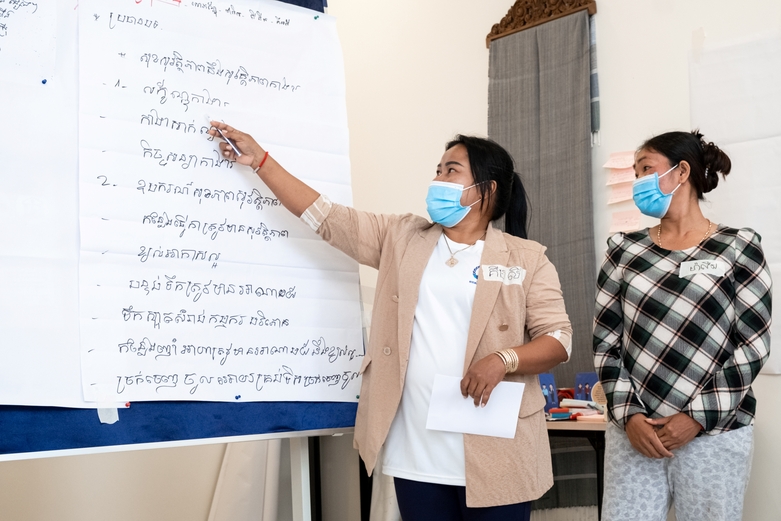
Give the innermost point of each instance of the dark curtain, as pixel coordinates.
(539, 109)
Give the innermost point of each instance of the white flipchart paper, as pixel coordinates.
(28, 41)
(735, 103)
(195, 283)
(450, 411)
(39, 320)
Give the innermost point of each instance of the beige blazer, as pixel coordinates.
(499, 471)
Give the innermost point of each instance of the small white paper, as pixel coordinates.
(709, 267)
(450, 411)
(507, 275)
(108, 415)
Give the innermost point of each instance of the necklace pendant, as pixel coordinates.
(452, 261)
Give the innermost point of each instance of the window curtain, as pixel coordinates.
(247, 488)
(539, 97)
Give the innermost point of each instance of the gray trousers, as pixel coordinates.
(706, 480)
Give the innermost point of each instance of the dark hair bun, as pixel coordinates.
(715, 162)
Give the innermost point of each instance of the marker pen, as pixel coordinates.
(230, 142)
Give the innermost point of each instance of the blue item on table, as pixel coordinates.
(549, 391)
(584, 383)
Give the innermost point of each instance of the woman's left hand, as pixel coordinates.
(481, 379)
(675, 431)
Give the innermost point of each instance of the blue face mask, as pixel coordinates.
(649, 198)
(443, 203)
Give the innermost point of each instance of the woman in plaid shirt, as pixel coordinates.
(681, 330)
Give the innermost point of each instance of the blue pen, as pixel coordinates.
(231, 143)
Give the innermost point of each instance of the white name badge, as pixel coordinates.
(709, 267)
(505, 274)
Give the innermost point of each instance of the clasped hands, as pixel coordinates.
(655, 438)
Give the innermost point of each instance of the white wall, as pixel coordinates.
(643, 52)
(416, 74)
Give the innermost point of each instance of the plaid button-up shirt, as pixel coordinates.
(683, 331)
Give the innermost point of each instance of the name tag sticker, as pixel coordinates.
(505, 274)
(708, 267)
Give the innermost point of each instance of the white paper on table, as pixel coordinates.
(620, 160)
(450, 411)
(620, 175)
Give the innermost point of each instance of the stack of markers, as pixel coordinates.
(581, 410)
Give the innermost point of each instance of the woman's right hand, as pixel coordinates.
(251, 153)
(643, 438)
(294, 195)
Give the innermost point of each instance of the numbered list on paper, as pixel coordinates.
(195, 283)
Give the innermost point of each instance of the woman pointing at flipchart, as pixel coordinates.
(455, 297)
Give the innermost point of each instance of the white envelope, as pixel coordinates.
(450, 411)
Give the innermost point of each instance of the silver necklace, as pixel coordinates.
(452, 261)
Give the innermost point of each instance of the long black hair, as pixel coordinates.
(491, 162)
(705, 159)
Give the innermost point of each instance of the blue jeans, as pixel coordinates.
(420, 501)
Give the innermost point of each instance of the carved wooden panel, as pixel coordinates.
(528, 13)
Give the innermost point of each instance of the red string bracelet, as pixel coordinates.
(261, 163)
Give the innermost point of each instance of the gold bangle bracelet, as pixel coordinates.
(504, 359)
(510, 359)
(513, 356)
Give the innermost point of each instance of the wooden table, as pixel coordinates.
(594, 432)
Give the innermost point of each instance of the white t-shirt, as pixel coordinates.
(438, 346)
